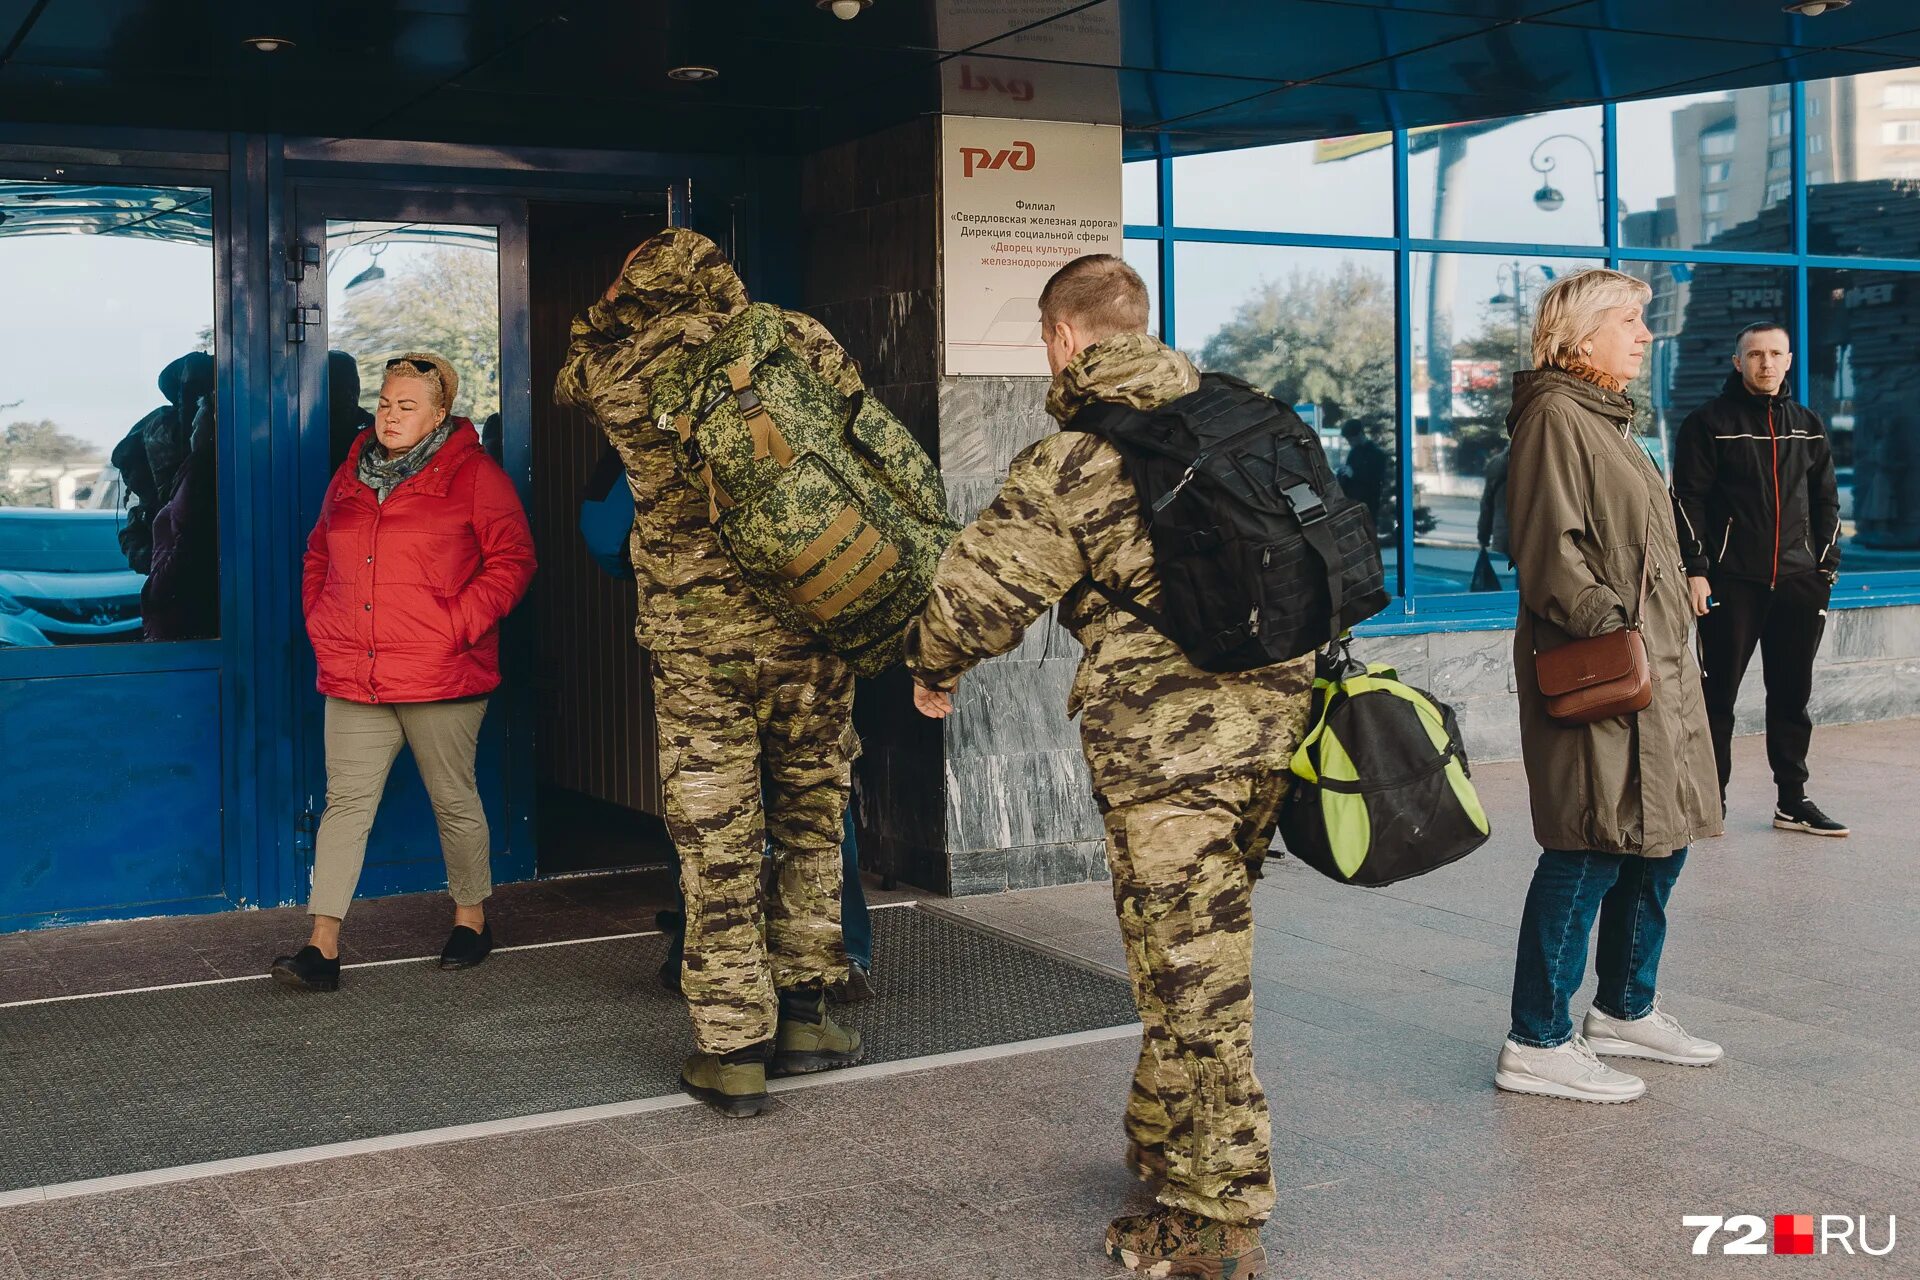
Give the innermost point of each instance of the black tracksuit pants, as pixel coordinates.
(1786, 622)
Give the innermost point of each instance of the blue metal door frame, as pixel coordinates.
(507, 775)
(45, 685)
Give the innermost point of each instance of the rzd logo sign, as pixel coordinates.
(1017, 156)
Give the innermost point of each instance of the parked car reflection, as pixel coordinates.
(64, 579)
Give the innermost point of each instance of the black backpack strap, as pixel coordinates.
(1101, 417)
(1311, 512)
(1123, 600)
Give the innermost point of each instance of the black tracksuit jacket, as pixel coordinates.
(1754, 494)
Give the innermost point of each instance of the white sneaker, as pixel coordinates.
(1658, 1037)
(1568, 1071)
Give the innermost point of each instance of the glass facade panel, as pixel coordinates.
(108, 477)
(1472, 329)
(1863, 166)
(1695, 312)
(1315, 328)
(1528, 180)
(1863, 379)
(1144, 256)
(1340, 186)
(1140, 193)
(412, 286)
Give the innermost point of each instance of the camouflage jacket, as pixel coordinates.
(675, 293)
(1151, 722)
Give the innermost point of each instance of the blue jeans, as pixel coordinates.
(856, 926)
(1629, 893)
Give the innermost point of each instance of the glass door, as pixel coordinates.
(379, 274)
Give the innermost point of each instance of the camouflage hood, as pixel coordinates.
(1127, 368)
(678, 287)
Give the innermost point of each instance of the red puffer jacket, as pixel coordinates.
(404, 599)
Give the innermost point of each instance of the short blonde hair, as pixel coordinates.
(1573, 308)
(1098, 294)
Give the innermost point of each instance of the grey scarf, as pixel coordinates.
(383, 474)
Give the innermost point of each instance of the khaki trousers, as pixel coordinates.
(363, 740)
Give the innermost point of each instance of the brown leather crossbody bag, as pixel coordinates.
(1602, 676)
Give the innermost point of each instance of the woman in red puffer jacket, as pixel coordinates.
(420, 550)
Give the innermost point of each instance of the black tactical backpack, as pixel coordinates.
(1260, 556)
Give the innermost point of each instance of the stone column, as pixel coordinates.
(996, 796)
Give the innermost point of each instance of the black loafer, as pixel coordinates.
(307, 970)
(465, 948)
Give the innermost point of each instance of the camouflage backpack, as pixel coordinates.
(834, 514)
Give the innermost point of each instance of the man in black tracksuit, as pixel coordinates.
(1758, 512)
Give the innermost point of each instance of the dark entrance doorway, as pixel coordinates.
(596, 766)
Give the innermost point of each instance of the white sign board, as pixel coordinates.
(1019, 199)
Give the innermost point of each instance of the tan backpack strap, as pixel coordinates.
(767, 438)
(718, 499)
(830, 608)
(829, 578)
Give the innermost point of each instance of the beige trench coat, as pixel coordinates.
(1585, 503)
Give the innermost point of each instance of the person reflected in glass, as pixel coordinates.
(150, 456)
(1493, 523)
(421, 550)
(345, 418)
(1365, 473)
(1616, 803)
(181, 597)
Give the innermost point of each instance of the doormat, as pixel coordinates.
(151, 1080)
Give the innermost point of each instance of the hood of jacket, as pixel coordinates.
(1531, 384)
(187, 379)
(1133, 369)
(678, 288)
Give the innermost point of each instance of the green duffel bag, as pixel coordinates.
(834, 514)
(1381, 790)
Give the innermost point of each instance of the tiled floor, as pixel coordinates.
(1378, 1016)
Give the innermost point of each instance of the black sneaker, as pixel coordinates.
(1804, 815)
(855, 987)
(465, 948)
(307, 970)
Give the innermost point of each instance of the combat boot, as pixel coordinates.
(808, 1040)
(734, 1084)
(1173, 1242)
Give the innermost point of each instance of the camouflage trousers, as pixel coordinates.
(1182, 887)
(756, 752)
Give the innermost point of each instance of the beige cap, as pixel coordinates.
(430, 366)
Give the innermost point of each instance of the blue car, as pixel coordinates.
(64, 579)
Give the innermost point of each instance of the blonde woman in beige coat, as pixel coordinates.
(1616, 803)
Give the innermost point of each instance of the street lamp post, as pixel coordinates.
(1517, 299)
(1549, 198)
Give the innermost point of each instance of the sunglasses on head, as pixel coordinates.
(424, 366)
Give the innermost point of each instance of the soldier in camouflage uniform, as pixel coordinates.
(1188, 770)
(755, 720)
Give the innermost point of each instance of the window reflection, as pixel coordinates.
(1144, 256)
(1337, 186)
(108, 509)
(1696, 311)
(1140, 193)
(1711, 169)
(1472, 330)
(1863, 165)
(1530, 180)
(1864, 382)
(1315, 328)
(412, 286)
